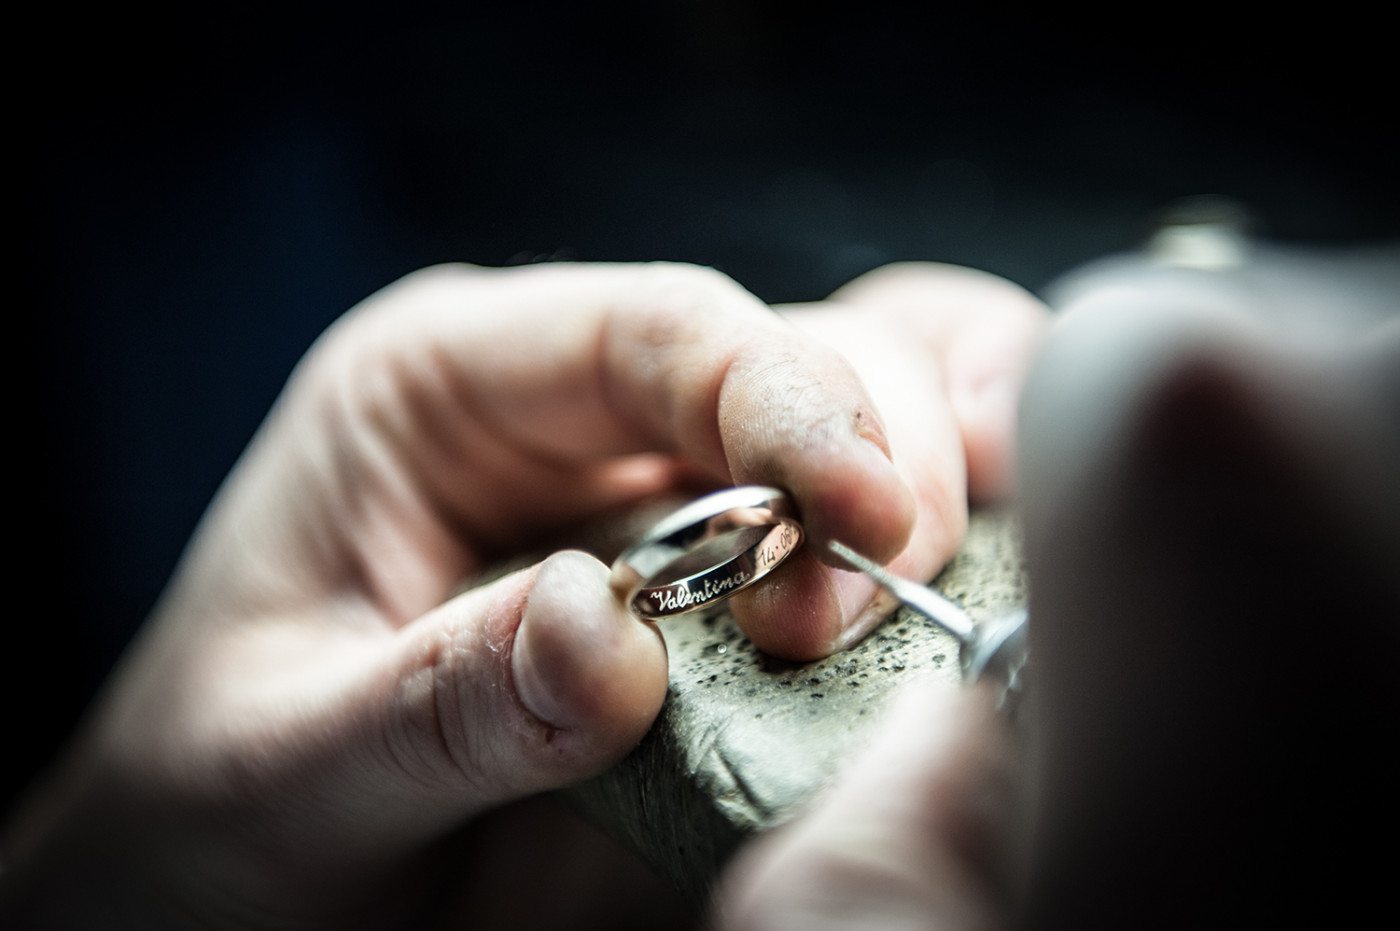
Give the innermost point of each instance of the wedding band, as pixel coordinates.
(706, 551)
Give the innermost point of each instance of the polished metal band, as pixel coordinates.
(706, 551)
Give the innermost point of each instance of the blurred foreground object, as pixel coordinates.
(1209, 461)
(1209, 250)
(1209, 457)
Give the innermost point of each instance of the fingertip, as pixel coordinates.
(522, 685)
(794, 614)
(859, 499)
(794, 413)
(582, 665)
(807, 610)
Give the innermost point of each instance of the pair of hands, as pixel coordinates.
(311, 709)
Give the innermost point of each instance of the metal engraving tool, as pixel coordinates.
(994, 649)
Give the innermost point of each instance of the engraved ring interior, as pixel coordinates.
(706, 551)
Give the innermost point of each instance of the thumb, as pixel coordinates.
(527, 684)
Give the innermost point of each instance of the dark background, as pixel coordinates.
(209, 190)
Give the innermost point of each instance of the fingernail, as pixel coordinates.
(880, 607)
(544, 659)
(533, 693)
(853, 592)
(863, 605)
(873, 505)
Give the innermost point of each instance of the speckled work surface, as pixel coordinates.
(744, 740)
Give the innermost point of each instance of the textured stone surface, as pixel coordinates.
(745, 740)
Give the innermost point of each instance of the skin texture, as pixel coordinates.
(310, 712)
(312, 733)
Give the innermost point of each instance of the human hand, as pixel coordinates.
(1210, 505)
(310, 708)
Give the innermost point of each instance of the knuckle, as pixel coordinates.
(672, 293)
(378, 355)
(673, 325)
(428, 736)
(687, 275)
(443, 274)
(357, 390)
(455, 729)
(376, 320)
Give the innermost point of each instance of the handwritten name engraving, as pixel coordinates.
(683, 596)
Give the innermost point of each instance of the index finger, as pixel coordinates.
(571, 363)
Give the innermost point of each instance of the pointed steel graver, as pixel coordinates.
(994, 648)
